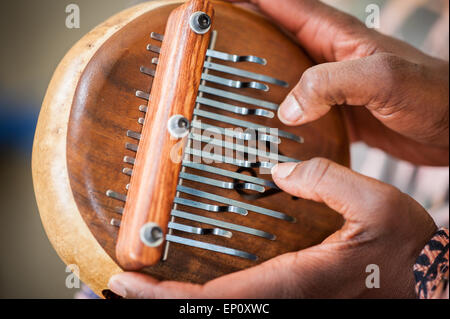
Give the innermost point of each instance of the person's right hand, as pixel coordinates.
(396, 98)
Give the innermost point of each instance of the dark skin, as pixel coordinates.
(396, 99)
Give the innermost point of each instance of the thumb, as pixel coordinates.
(366, 82)
(358, 198)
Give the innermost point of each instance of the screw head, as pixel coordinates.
(204, 21)
(200, 22)
(151, 235)
(178, 126)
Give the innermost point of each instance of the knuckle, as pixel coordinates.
(316, 171)
(392, 67)
(313, 82)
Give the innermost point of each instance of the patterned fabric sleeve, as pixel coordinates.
(431, 268)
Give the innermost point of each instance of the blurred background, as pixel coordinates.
(34, 39)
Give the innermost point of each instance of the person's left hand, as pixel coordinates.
(383, 227)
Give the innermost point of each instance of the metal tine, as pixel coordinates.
(221, 184)
(127, 171)
(115, 222)
(226, 173)
(238, 97)
(228, 82)
(209, 207)
(246, 124)
(245, 74)
(116, 195)
(233, 83)
(129, 160)
(227, 160)
(234, 57)
(157, 36)
(212, 247)
(200, 231)
(153, 48)
(147, 71)
(219, 223)
(228, 201)
(118, 210)
(143, 95)
(241, 136)
(242, 148)
(131, 147)
(244, 136)
(234, 108)
(222, 55)
(227, 132)
(133, 134)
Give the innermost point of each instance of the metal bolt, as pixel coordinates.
(178, 126)
(151, 235)
(200, 22)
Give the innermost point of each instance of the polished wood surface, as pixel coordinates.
(155, 172)
(105, 106)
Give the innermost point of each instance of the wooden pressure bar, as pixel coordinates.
(155, 175)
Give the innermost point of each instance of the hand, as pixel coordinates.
(395, 97)
(383, 227)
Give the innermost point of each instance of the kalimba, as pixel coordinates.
(155, 142)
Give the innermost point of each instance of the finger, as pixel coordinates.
(133, 285)
(262, 281)
(358, 198)
(369, 82)
(353, 82)
(326, 33)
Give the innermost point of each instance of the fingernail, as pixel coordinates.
(283, 170)
(117, 287)
(290, 111)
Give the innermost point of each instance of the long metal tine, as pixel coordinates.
(233, 83)
(221, 55)
(226, 173)
(209, 207)
(246, 124)
(228, 160)
(242, 148)
(221, 184)
(212, 247)
(228, 201)
(238, 97)
(245, 74)
(234, 108)
(200, 231)
(219, 223)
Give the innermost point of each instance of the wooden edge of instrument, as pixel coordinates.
(63, 224)
(155, 173)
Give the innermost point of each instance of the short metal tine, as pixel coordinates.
(133, 134)
(153, 48)
(156, 36)
(116, 195)
(147, 71)
(143, 95)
